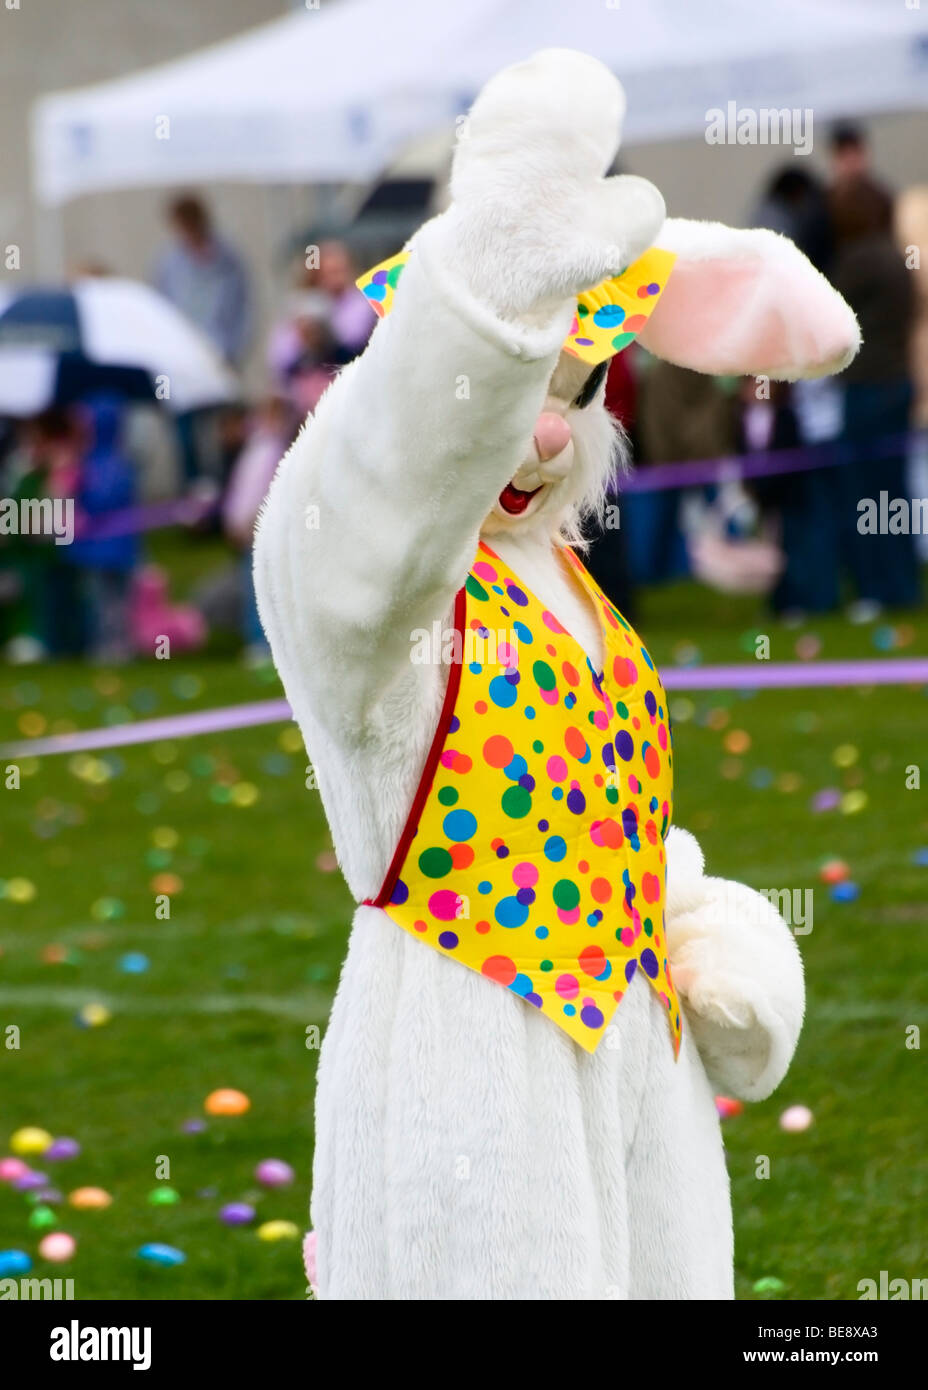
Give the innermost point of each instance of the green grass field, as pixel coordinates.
(250, 956)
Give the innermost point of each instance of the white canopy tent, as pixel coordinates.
(336, 94)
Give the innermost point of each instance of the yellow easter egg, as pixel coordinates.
(244, 794)
(278, 1230)
(30, 1140)
(845, 755)
(290, 740)
(20, 890)
(94, 1015)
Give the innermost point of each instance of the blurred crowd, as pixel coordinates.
(792, 536)
(96, 597)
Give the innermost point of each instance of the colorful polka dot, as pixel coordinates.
(577, 887)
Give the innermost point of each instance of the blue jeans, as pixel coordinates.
(883, 568)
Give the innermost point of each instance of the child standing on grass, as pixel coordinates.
(270, 437)
(106, 562)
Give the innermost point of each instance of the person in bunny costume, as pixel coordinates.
(543, 987)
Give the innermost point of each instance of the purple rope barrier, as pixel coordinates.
(129, 521)
(655, 477)
(658, 477)
(207, 721)
(794, 675)
(759, 675)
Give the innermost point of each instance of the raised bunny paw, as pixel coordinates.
(533, 221)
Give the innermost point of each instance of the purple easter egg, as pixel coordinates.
(273, 1172)
(193, 1126)
(62, 1148)
(237, 1214)
(30, 1181)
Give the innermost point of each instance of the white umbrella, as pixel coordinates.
(99, 323)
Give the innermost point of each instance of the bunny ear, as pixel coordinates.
(747, 303)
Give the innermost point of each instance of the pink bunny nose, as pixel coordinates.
(552, 434)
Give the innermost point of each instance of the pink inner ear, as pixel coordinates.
(758, 314)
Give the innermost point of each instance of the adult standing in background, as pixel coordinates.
(851, 177)
(871, 274)
(797, 204)
(206, 278)
(912, 241)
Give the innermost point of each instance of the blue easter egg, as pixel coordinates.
(133, 963)
(158, 1254)
(845, 892)
(14, 1262)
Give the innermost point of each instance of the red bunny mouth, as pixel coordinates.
(514, 501)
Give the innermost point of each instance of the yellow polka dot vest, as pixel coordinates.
(534, 849)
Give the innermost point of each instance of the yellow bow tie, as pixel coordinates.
(606, 319)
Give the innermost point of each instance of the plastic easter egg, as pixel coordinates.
(107, 909)
(60, 1149)
(920, 857)
(845, 755)
(226, 1102)
(89, 1198)
(237, 1214)
(30, 1140)
(167, 883)
(769, 1286)
(727, 1108)
(796, 1119)
(194, 1126)
(278, 1230)
(834, 871)
(19, 890)
(163, 1197)
(57, 1247)
(737, 741)
(12, 1168)
(808, 646)
(157, 1254)
(41, 1218)
(133, 963)
(244, 794)
(13, 1262)
(846, 892)
(93, 1016)
(273, 1172)
(30, 1181)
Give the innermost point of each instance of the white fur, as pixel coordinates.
(466, 1148)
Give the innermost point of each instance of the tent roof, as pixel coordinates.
(336, 94)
